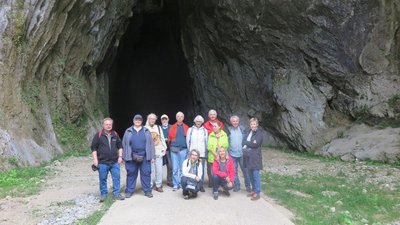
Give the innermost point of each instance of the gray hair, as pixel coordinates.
(234, 117)
(150, 115)
(198, 118)
(180, 114)
(212, 111)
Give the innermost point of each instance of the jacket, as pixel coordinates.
(235, 152)
(101, 145)
(187, 164)
(230, 169)
(209, 127)
(212, 144)
(173, 129)
(252, 152)
(196, 138)
(158, 137)
(127, 151)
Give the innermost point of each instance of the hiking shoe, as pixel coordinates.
(159, 189)
(170, 184)
(128, 195)
(255, 197)
(103, 198)
(186, 197)
(119, 197)
(251, 194)
(226, 192)
(148, 194)
(202, 189)
(236, 189)
(215, 195)
(248, 189)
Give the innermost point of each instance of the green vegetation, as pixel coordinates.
(362, 114)
(394, 101)
(71, 135)
(21, 181)
(95, 217)
(31, 94)
(18, 19)
(333, 199)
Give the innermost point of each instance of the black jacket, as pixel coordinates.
(101, 145)
(252, 154)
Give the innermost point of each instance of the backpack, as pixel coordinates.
(113, 132)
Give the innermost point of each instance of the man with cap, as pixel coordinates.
(107, 156)
(167, 158)
(138, 154)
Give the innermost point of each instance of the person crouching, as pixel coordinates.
(192, 171)
(223, 173)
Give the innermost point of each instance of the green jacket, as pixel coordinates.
(212, 144)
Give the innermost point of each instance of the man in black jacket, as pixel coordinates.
(107, 156)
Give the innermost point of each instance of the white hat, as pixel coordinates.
(164, 116)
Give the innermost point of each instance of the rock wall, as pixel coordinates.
(53, 70)
(294, 64)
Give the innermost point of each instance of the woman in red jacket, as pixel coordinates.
(223, 173)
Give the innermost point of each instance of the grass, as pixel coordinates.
(354, 201)
(21, 181)
(95, 217)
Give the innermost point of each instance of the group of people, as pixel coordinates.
(185, 150)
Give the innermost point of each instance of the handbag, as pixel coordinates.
(137, 158)
(175, 149)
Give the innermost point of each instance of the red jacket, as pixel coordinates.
(173, 129)
(209, 127)
(230, 169)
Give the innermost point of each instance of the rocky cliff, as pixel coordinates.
(304, 68)
(51, 58)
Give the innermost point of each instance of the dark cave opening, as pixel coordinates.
(150, 73)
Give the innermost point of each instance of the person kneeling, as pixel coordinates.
(223, 173)
(191, 175)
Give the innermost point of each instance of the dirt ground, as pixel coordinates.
(71, 191)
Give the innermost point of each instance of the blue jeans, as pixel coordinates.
(238, 161)
(177, 161)
(203, 164)
(219, 181)
(132, 169)
(103, 174)
(255, 180)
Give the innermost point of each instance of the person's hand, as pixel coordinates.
(153, 160)
(255, 142)
(95, 162)
(197, 178)
(227, 179)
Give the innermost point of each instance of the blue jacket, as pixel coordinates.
(127, 150)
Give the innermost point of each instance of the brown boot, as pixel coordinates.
(255, 197)
(159, 189)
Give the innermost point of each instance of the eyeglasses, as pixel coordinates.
(194, 154)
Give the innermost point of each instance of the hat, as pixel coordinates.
(164, 116)
(138, 117)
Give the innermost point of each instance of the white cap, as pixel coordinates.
(164, 116)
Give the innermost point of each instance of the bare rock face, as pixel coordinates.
(289, 63)
(51, 59)
(363, 143)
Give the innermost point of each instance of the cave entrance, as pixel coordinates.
(150, 73)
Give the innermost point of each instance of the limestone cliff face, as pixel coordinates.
(301, 67)
(294, 64)
(51, 60)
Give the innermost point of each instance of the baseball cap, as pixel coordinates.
(164, 116)
(138, 117)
